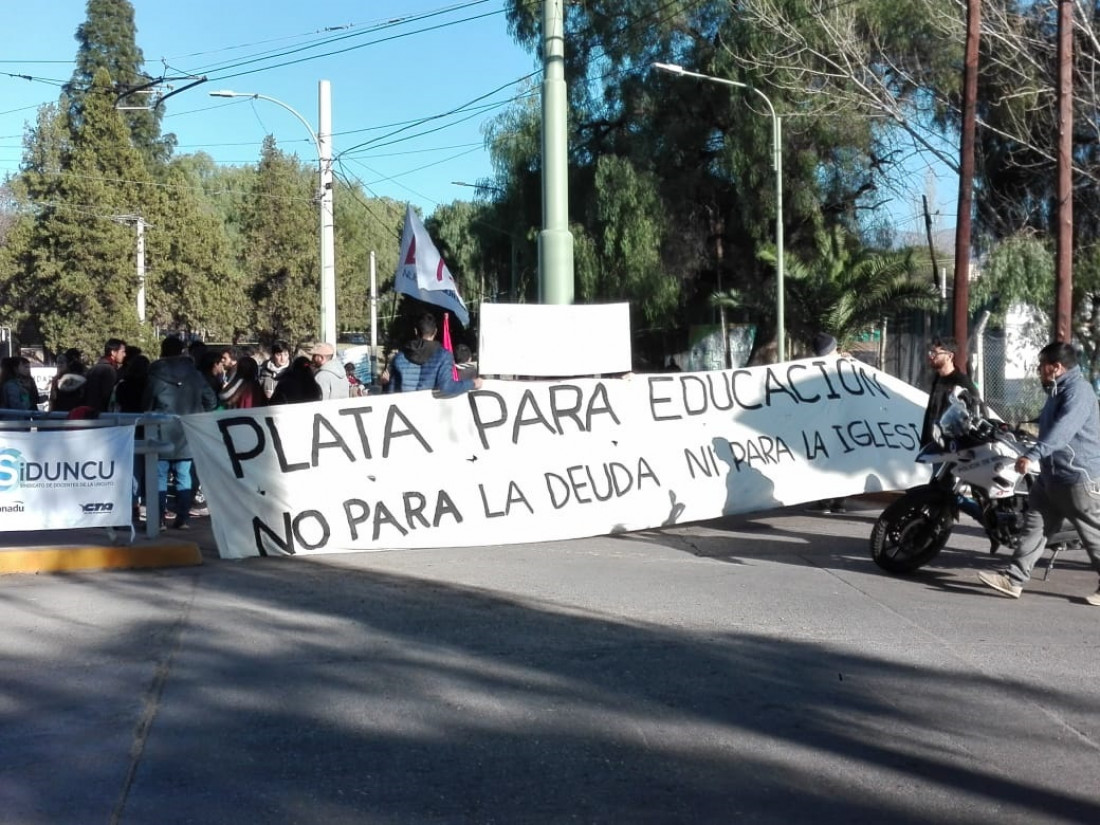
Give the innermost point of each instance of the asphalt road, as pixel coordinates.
(755, 669)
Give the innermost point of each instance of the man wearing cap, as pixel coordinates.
(331, 379)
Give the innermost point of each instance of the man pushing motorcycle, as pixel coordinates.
(946, 379)
(1067, 452)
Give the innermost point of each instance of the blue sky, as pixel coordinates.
(394, 70)
(922, 174)
(391, 64)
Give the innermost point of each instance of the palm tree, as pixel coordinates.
(846, 289)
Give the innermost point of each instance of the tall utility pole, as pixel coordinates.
(555, 240)
(719, 226)
(374, 371)
(328, 240)
(931, 242)
(139, 224)
(966, 182)
(1063, 305)
(322, 141)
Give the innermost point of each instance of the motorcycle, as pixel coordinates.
(972, 454)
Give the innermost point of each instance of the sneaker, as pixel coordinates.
(1003, 584)
(1094, 599)
(180, 524)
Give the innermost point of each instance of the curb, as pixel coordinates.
(70, 557)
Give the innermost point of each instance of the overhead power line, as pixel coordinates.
(326, 39)
(457, 109)
(226, 72)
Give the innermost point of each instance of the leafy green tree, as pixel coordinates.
(280, 254)
(16, 223)
(45, 144)
(1086, 297)
(454, 228)
(1018, 270)
(107, 41)
(693, 157)
(844, 288)
(512, 223)
(626, 220)
(193, 284)
(364, 225)
(77, 272)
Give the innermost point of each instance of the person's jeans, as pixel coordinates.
(182, 466)
(1048, 505)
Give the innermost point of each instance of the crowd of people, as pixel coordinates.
(240, 377)
(197, 378)
(192, 378)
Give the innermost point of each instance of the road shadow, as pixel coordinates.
(306, 690)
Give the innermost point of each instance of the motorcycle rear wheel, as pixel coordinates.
(912, 530)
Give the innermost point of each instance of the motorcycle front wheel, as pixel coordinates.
(912, 530)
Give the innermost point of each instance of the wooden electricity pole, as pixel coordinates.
(1063, 305)
(961, 315)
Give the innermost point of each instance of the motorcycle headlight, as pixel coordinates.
(955, 420)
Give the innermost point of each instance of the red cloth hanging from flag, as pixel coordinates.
(447, 344)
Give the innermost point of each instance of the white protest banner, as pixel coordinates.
(422, 273)
(543, 460)
(43, 378)
(534, 339)
(58, 479)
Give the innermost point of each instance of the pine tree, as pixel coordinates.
(363, 225)
(192, 284)
(281, 253)
(78, 268)
(107, 40)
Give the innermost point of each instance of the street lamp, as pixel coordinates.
(485, 187)
(322, 141)
(777, 164)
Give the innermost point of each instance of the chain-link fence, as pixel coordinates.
(1004, 370)
(1008, 379)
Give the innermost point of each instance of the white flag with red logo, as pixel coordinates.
(421, 272)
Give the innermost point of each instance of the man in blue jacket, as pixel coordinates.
(1068, 454)
(423, 364)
